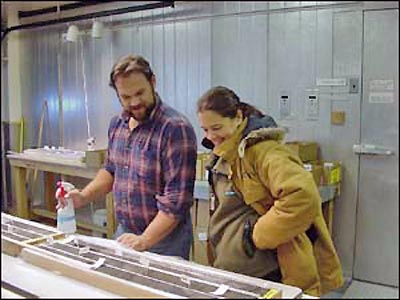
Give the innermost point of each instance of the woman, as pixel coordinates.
(266, 219)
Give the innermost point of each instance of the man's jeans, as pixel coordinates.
(177, 243)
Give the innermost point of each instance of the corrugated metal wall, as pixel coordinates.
(237, 44)
(259, 49)
(178, 51)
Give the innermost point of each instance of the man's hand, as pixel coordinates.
(76, 196)
(136, 242)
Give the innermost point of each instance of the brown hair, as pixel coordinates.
(129, 64)
(226, 103)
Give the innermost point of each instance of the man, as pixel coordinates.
(150, 166)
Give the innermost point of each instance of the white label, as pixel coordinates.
(222, 289)
(202, 236)
(307, 167)
(381, 85)
(144, 261)
(331, 81)
(185, 279)
(84, 250)
(98, 263)
(386, 97)
(67, 240)
(50, 240)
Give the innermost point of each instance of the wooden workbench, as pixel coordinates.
(20, 163)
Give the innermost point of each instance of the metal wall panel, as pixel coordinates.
(347, 49)
(39, 83)
(377, 238)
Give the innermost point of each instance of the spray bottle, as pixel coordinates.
(66, 215)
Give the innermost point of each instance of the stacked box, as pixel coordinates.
(200, 245)
(200, 218)
(331, 171)
(95, 158)
(316, 171)
(199, 169)
(201, 161)
(307, 151)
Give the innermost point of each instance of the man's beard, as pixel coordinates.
(145, 116)
(147, 112)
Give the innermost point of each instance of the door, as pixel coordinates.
(377, 226)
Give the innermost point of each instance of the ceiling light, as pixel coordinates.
(97, 29)
(72, 33)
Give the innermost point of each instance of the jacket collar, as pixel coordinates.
(228, 148)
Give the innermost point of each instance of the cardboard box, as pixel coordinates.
(203, 213)
(316, 170)
(331, 171)
(200, 245)
(307, 151)
(201, 161)
(95, 158)
(199, 169)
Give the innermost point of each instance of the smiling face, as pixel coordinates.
(136, 94)
(218, 128)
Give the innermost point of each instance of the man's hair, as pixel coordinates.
(130, 64)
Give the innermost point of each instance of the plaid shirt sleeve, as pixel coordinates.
(108, 164)
(179, 168)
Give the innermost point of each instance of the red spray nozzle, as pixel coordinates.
(62, 190)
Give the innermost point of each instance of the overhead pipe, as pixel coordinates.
(105, 13)
(53, 9)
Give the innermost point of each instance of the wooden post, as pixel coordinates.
(22, 206)
(110, 215)
(49, 191)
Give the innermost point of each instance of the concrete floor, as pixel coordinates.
(359, 289)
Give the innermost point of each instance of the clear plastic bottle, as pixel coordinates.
(66, 221)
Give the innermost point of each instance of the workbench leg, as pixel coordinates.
(22, 205)
(110, 215)
(49, 191)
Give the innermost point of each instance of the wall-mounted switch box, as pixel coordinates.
(353, 85)
(312, 107)
(338, 117)
(284, 106)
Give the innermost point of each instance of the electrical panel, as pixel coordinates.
(284, 106)
(312, 106)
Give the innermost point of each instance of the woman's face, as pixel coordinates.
(218, 128)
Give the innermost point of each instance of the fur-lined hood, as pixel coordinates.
(258, 135)
(256, 130)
